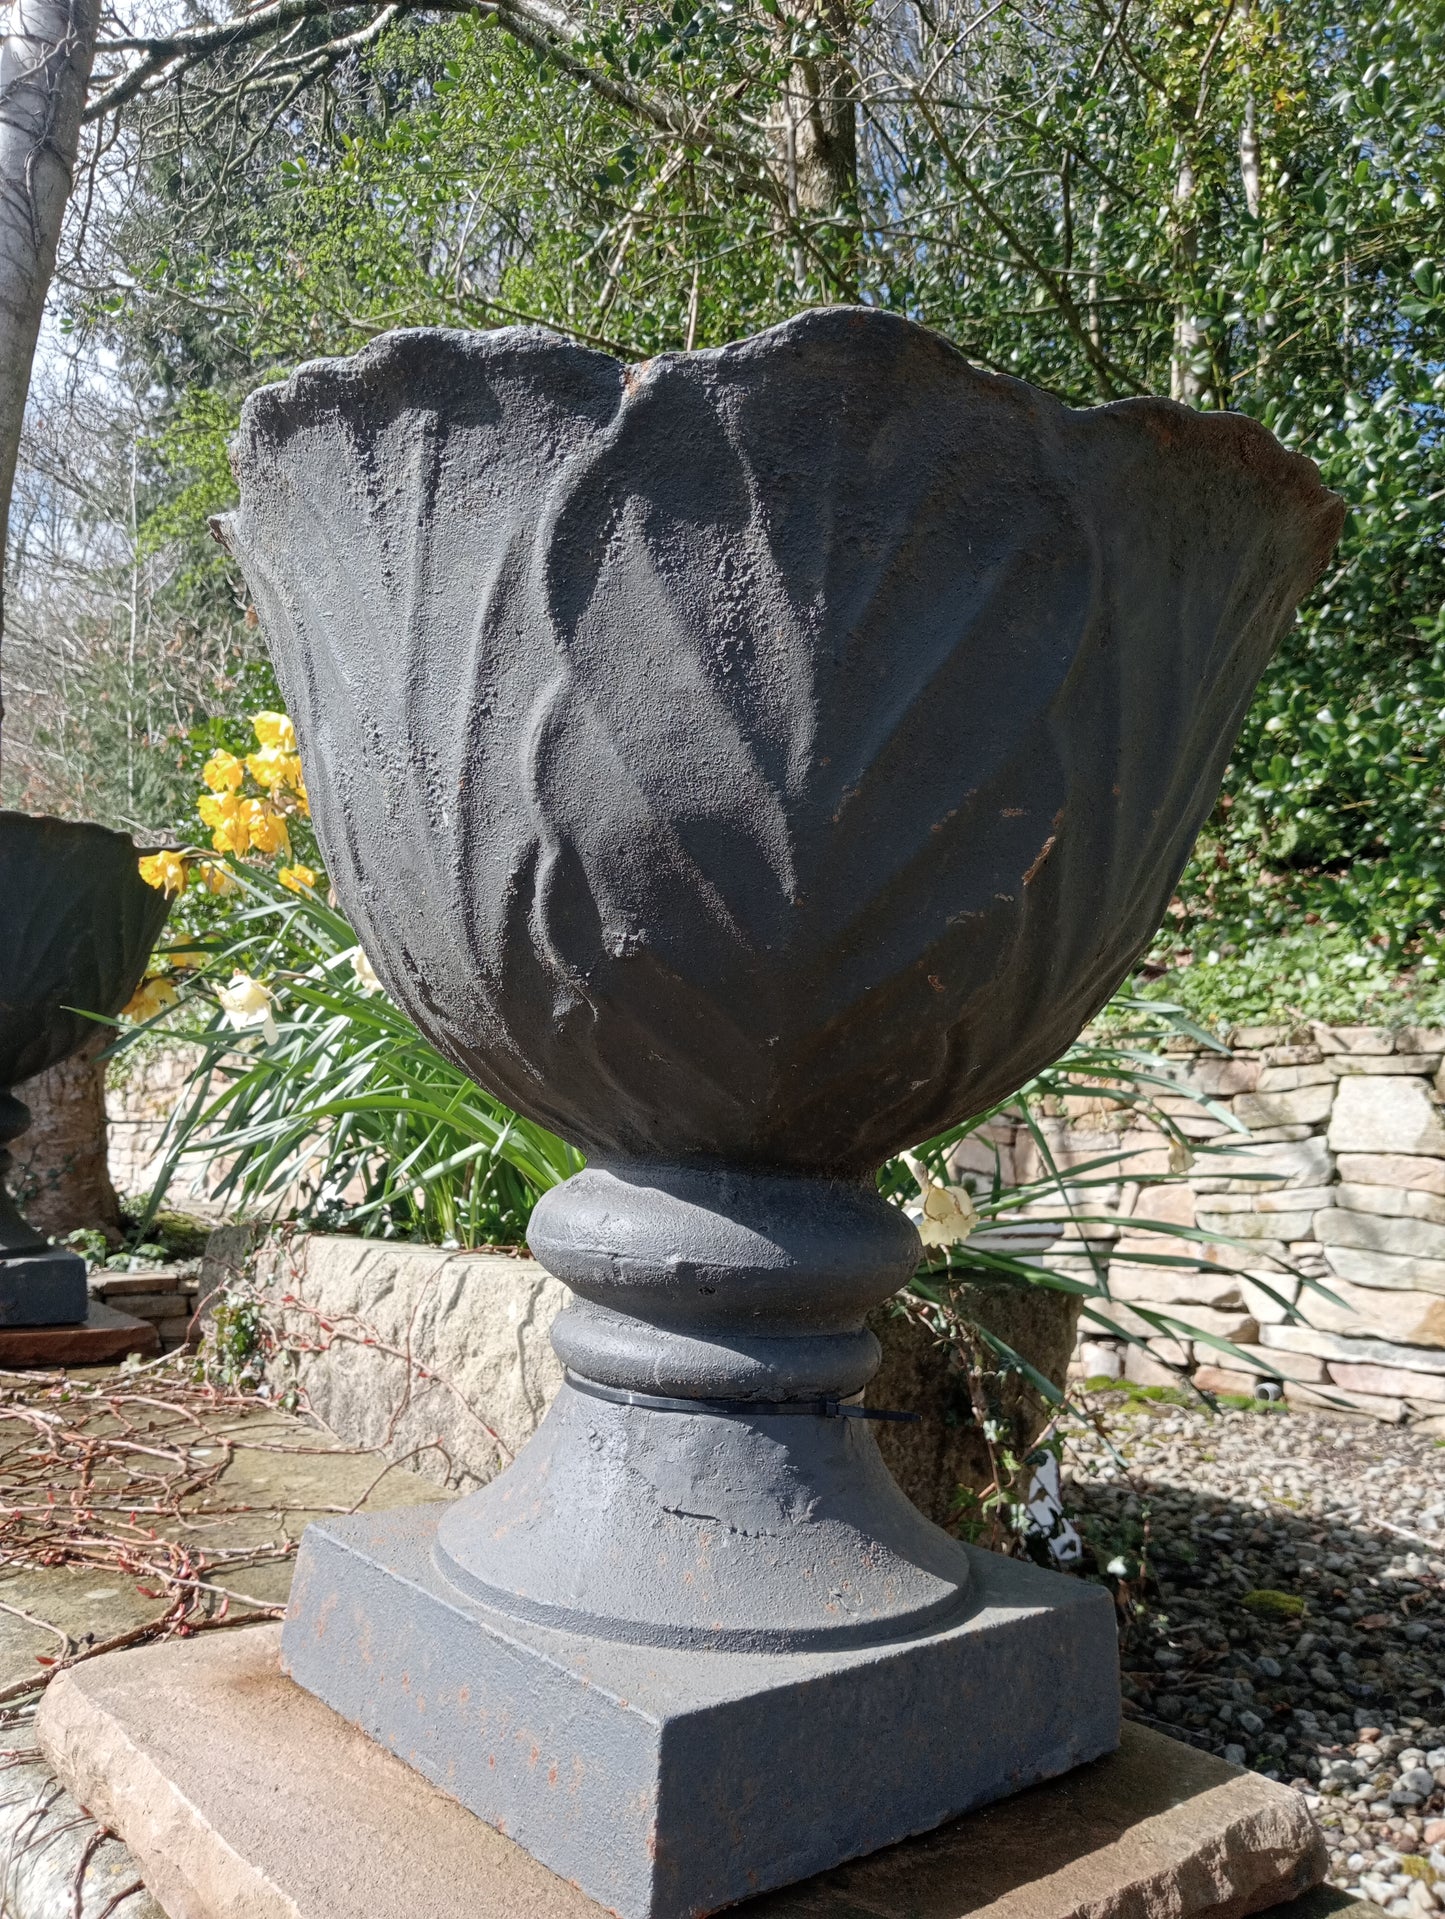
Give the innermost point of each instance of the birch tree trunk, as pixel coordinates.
(815, 133)
(1185, 382)
(45, 60)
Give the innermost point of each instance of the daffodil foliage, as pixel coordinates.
(315, 1099)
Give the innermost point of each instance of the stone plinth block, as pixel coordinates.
(240, 1794)
(669, 1782)
(43, 1288)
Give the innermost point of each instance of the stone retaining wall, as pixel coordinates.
(1342, 1181)
(442, 1360)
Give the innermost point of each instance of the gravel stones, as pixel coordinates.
(1281, 1584)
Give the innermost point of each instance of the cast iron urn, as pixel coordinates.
(77, 924)
(747, 763)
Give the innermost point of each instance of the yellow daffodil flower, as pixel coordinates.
(218, 880)
(265, 827)
(219, 809)
(224, 812)
(183, 958)
(223, 772)
(1181, 1158)
(152, 996)
(273, 769)
(274, 729)
(165, 871)
(247, 1003)
(296, 878)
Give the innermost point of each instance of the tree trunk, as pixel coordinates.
(1185, 380)
(1249, 157)
(60, 1177)
(947, 1452)
(45, 60)
(815, 128)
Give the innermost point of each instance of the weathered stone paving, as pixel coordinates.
(1281, 1583)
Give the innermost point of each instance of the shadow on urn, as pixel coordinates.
(748, 763)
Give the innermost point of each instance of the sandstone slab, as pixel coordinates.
(1303, 1106)
(428, 1355)
(1393, 1381)
(1257, 1225)
(1389, 1272)
(1171, 1203)
(1421, 1065)
(1397, 1234)
(1307, 1367)
(1351, 1039)
(1325, 1345)
(1226, 1379)
(1385, 1115)
(1265, 1255)
(1269, 1300)
(1398, 1202)
(1415, 1173)
(100, 1339)
(1291, 1199)
(1143, 1368)
(242, 1797)
(1260, 1168)
(1287, 1079)
(1375, 1312)
(1168, 1286)
(1329, 1398)
(1221, 1078)
(1192, 1319)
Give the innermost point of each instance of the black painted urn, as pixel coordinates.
(748, 763)
(77, 924)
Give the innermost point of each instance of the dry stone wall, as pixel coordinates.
(1341, 1181)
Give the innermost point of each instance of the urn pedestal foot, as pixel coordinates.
(669, 1782)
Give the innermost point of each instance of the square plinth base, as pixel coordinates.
(242, 1797)
(45, 1288)
(669, 1783)
(101, 1338)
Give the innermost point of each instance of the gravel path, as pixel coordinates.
(1281, 1584)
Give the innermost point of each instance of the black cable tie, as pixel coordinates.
(822, 1408)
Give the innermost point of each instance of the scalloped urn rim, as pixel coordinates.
(769, 755)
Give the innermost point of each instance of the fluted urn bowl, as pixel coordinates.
(77, 924)
(749, 763)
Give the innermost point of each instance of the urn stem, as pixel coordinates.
(706, 1477)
